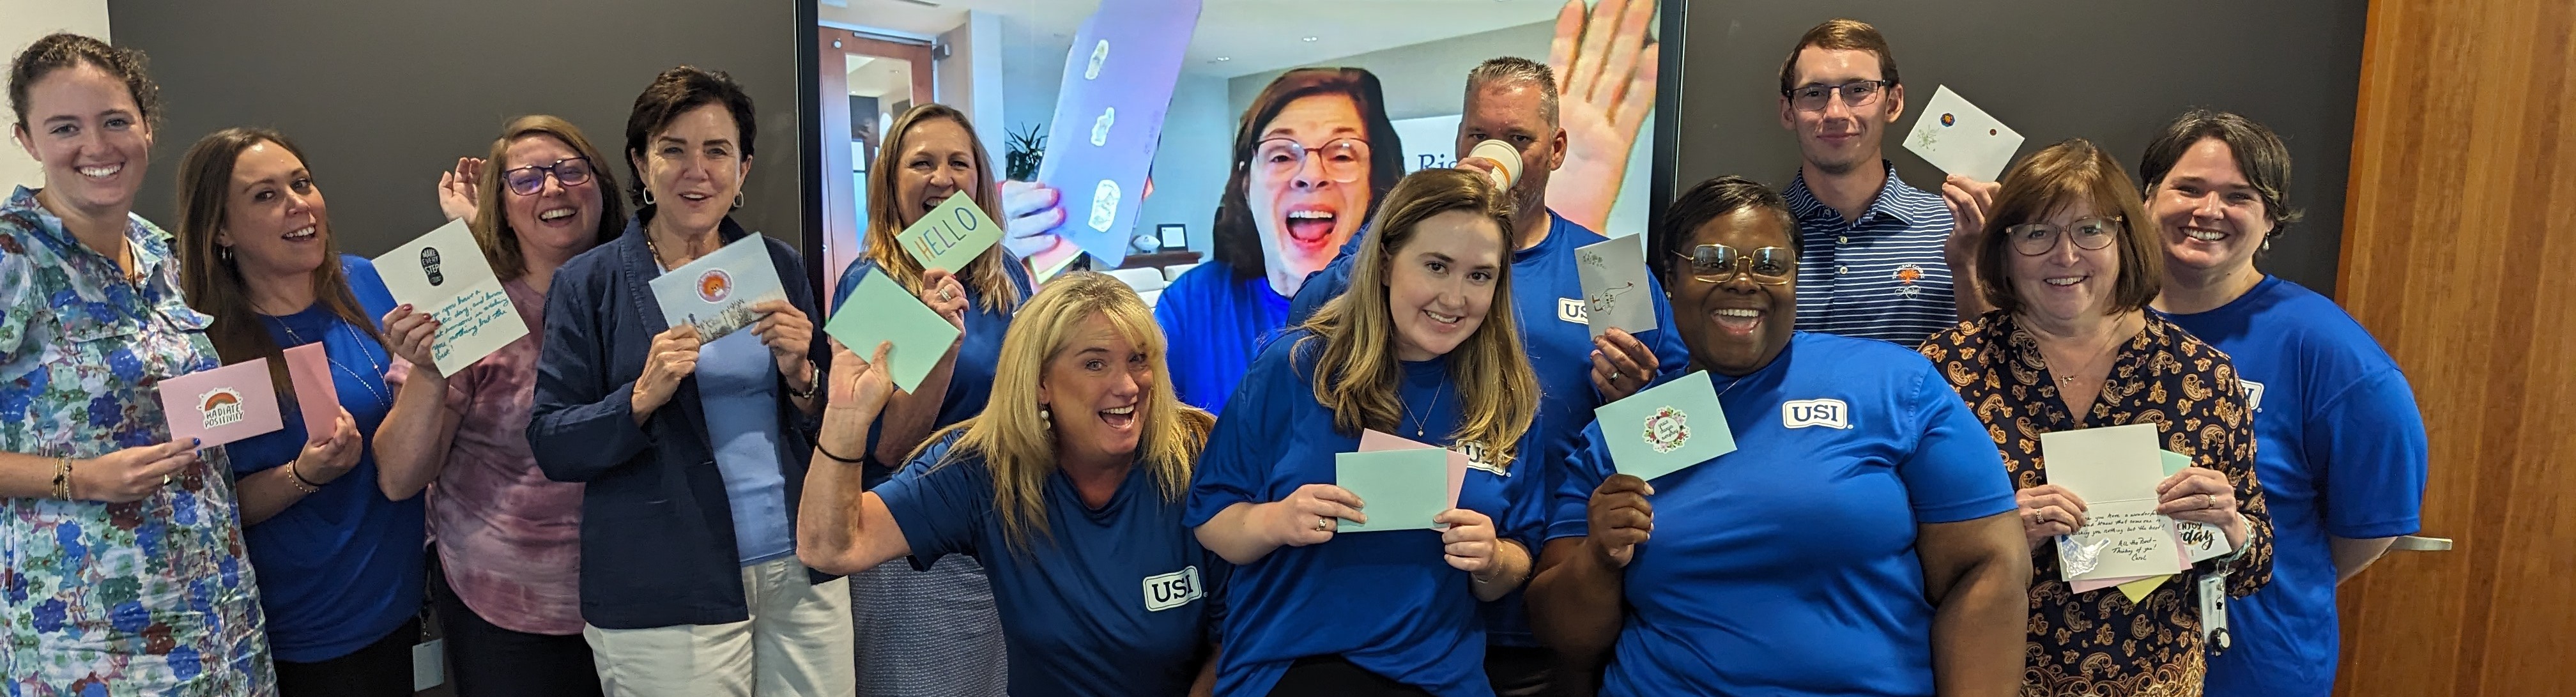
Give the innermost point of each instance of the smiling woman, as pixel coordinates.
(123, 547)
(339, 563)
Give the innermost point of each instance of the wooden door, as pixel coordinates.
(842, 228)
(2459, 254)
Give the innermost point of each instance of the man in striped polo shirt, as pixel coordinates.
(1879, 253)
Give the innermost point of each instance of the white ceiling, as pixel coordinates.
(1256, 35)
(872, 77)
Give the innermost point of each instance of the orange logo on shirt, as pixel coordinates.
(1908, 274)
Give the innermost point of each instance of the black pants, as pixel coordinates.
(1334, 676)
(1523, 671)
(485, 660)
(381, 669)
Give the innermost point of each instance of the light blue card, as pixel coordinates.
(881, 310)
(1667, 428)
(1400, 489)
(716, 291)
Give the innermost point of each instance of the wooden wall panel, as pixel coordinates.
(2459, 254)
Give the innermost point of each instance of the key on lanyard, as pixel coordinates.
(2213, 613)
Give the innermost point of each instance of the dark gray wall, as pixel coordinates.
(383, 95)
(2111, 72)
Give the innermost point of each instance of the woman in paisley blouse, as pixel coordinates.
(2070, 260)
(121, 565)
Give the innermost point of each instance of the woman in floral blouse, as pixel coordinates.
(2065, 260)
(121, 565)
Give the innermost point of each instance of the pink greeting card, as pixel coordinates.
(1373, 440)
(315, 395)
(222, 405)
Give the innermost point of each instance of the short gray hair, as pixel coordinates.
(1510, 70)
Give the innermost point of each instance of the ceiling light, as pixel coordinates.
(1221, 59)
(1309, 39)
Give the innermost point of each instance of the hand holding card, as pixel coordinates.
(444, 275)
(222, 405)
(1667, 428)
(1960, 138)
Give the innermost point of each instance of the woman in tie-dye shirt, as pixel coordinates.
(121, 567)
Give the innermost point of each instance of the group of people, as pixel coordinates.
(612, 505)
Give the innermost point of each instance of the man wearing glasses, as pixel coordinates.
(1879, 254)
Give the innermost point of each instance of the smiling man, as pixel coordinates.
(1879, 253)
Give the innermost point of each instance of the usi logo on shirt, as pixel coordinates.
(1571, 310)
(2253, 394)
(1175, 589)
(1828, 412)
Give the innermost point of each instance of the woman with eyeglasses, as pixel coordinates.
(2069, 259)
(506, 579)
(692, 451)
(339, 560)
(1313, 155)
(1858, 540)
(125, 570)
(1428, 352)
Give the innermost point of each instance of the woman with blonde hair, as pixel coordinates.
(507, 579)
(1068, 487)
(1428, 351)
(933, 633)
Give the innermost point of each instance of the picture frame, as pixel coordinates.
(1174, 236)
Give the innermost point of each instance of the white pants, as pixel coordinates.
(796, 644)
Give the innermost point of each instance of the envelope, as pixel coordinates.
(444, 275)
(716, 291)
(1961, 139)
(1399, 489)
(1666, 428)
(317, 397)
(224, 404)
(1615, 291)
(1373, 440)
(951, 235)
(879, 310)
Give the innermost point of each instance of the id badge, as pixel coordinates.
(2213, 613)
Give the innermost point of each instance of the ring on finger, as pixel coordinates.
(1614, 375)
(1323, 524)
(945, 296)
(2208, 500)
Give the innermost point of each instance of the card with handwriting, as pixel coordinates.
(1961, 139)
(1666, 428)
(224, 404)
(1615, 291)
(716, 291)
(1398, 489)
(317, 398)
(2200, 541)
(2119, 539)
(444, 274)
(880, 310)
(951, 235)
(1373, 440)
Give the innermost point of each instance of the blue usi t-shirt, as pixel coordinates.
(1214, 321)
(340, 568)
(1547, 297)
(2340, 451)
(1789, 566)
(1386, 601)
(1108, 602)
(970, 383)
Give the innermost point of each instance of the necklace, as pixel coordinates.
(657, 253)
(1418, 424)
(379, 368)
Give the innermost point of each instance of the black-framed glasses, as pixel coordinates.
(1343, 158)
(1856, 94)
(1717, 263)
(570, 171)
(2034, 239)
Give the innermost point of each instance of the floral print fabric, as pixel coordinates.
(150, 597)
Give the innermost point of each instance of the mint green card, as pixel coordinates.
(2174, 461)
(953, 233)
(1667, 428)
(1398, 489)
(881, 310)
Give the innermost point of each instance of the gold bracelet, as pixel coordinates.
(296, 479)
(63, 478)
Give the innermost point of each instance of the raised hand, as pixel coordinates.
(1605, 82)
(457, 188)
